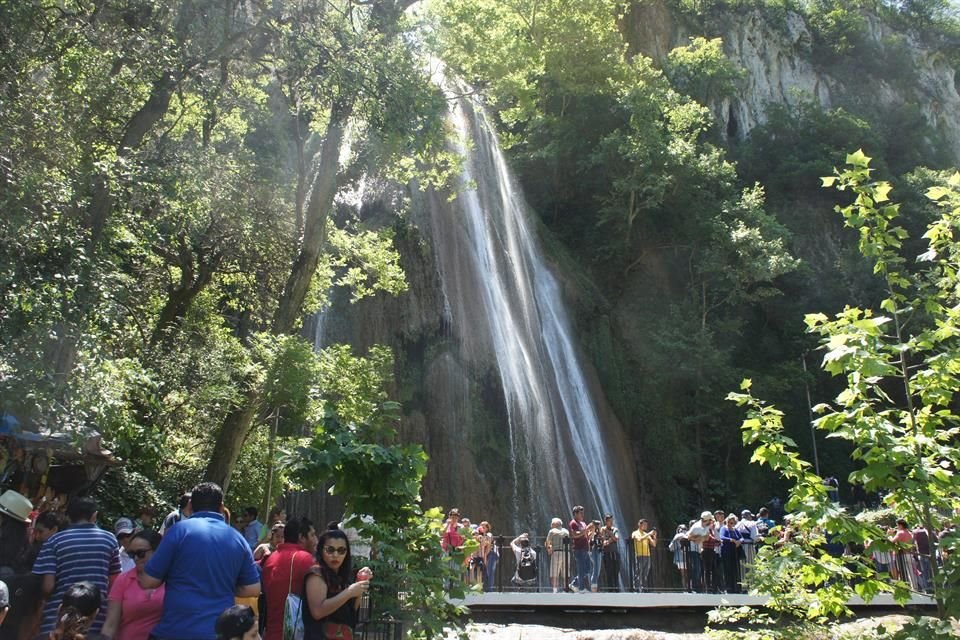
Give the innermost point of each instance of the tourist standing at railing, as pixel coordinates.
(475, 563)
(730, 543)
(559, 560)
(451, 538)
(610, 541)
(764, 522)
(719, 519)
(694, 564)
(596, 555)
(489, 554)
(906, 570)
(704, 534)
(527, 574)
(680, 547)
(580, 534)
(749, 536)
(882, 559)
(921, 544)
(644, 540)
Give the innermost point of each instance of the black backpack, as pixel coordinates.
(526, 568)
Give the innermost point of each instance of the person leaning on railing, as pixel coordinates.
(680, 547)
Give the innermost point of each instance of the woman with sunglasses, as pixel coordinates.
(133, 611)
(332, 597)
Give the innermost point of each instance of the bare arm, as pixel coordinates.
(148, 582)
(49, 582)
(114, 612)
(321, 606)
(248, 590)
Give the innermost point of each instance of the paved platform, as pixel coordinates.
(636, 601)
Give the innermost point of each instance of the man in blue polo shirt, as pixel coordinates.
(81, 552)
(205, 564)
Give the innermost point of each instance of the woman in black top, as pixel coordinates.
(332, 596)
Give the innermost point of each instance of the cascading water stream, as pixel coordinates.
(503, 295)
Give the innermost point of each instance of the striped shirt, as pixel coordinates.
(81, 552)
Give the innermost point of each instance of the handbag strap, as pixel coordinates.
(290, 582)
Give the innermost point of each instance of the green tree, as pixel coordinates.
(379, 477)
(163, 243)
(702, 71)
(368, 75)
(900, 368)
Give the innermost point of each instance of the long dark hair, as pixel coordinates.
(336, 581)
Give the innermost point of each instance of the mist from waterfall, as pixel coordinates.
(505, 299)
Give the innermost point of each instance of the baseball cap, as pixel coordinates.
(706, 515)
(123, 527)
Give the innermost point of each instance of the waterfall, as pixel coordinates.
(505, 301)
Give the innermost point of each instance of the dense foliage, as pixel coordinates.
(168, 177)
(900, 364)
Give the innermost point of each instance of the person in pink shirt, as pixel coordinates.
(133, 611)
(903, 567)
(451, 532)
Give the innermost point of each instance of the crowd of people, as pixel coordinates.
(203, 575)
(711, 554)
(200, 576)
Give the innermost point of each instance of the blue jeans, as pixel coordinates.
(595, 556)
(926, 574)
(695, 571)
(584, 569)
(490, 570)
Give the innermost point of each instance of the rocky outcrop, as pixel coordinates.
(776, 55)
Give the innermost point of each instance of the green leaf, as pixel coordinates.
(858, 159)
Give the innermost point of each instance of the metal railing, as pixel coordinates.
(685, 569)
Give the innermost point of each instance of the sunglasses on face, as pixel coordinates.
(139, 554)
(340, 551)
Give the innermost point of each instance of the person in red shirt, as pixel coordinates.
(284, 571)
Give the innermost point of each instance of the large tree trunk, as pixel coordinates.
(149, 114)
(238, 423)
(315, 223)
(236, 427)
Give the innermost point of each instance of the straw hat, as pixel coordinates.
(16, 506)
